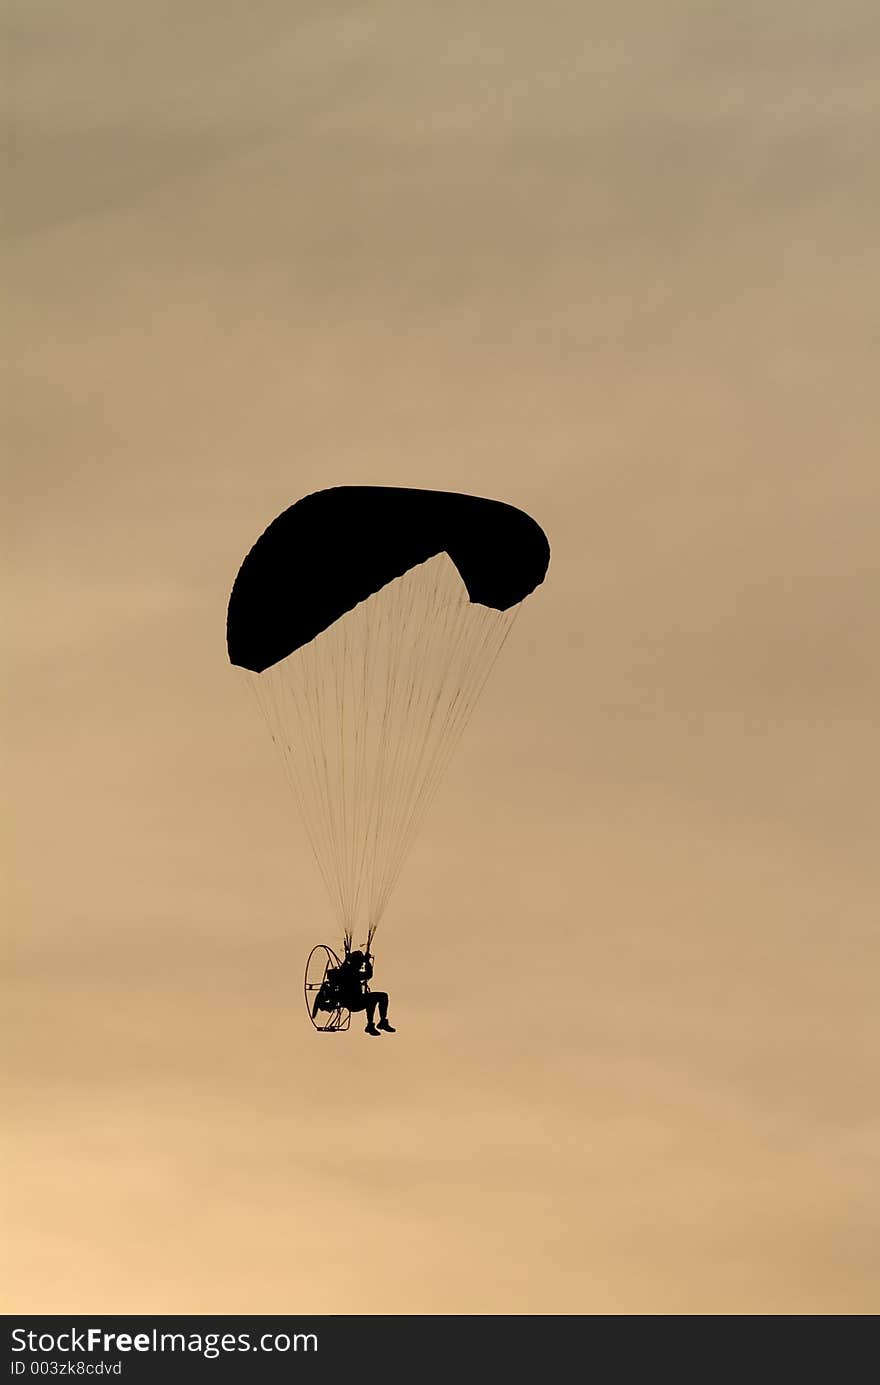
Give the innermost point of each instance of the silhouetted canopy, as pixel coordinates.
(366, 621)
(335, 548)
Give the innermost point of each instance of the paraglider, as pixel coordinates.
(334, 989)
(366, 621)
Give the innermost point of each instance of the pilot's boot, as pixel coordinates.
(389, 1029)
(371, 1029)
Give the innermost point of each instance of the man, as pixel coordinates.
(351, 979)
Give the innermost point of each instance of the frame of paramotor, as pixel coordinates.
(320, 986)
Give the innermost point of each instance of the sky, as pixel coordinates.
(616, 264)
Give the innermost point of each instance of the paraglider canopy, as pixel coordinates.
(366, 620)
(337, 547)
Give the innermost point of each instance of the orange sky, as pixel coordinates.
(613, 263)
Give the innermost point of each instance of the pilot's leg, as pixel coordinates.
(370, 1007)
(382, 998)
